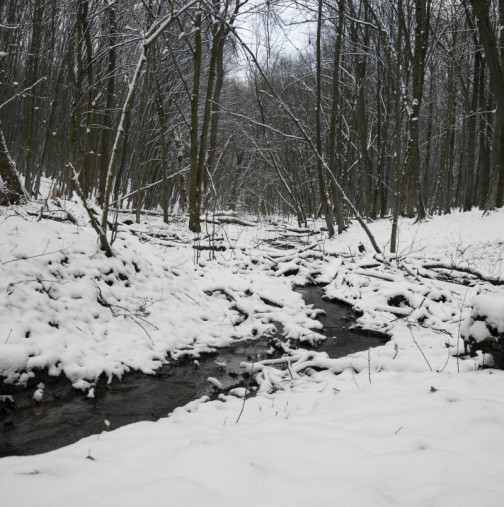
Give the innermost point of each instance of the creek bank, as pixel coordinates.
(64, 415)
(343, 336)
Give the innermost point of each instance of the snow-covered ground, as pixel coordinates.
(406, 423)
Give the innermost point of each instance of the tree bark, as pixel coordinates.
(194, 193)
(496, 73)
(422, 28)
(109, 103)
(33, 70)
(333, 129)
(322, 187)
(11, 192)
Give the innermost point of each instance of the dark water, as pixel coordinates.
(342, 338)
(65, 415)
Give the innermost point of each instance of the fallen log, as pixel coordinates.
(211, 248)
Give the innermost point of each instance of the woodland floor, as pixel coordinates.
(414, 421)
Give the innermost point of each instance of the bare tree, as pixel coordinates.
(495, 63)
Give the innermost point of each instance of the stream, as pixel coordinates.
(65, 416)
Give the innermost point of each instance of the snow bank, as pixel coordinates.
(428, 439)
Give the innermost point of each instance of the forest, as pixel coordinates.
(251, 253)
(384, 109)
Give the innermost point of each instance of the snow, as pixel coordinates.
(38, 395)
(71, 309)
(215, 382)
(407, 423)
(13, 357)
(478, 331)
(240, 392)
(394, 442)
(490, 306)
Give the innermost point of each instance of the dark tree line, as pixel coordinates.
(391, 108)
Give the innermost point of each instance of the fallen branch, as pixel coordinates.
(25, 257)
(375, 274)
(453, 267)
(216, 248)
(226, 220)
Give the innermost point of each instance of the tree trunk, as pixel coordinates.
(107, 117)
(471, 127)
(30, 106)
(422, 27)
(11, 192)
(495, 67)
(333, 129)
(485, 105)
(162, 135)
(194, 193)
(397, 172)
(323, 196)
(366, 168)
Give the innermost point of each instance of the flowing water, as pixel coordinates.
(342, 338)
(65, 415)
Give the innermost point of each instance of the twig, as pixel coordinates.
(247, 389)
(22, 92)
(447, 359)
(145, 330)
(24, 258)
(369, 362)
(289, 370)
(458, 333)
(421, 351)
(122, 197)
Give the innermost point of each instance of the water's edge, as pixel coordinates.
(65, 415)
